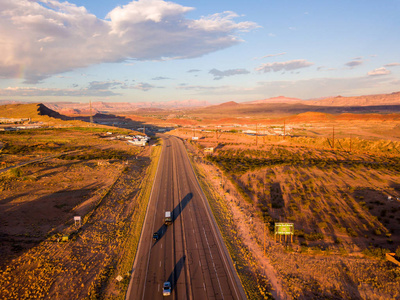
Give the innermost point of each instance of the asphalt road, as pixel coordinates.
(190, 252)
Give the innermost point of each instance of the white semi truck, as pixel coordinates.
(168, 218)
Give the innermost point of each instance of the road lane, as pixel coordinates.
(189, 253)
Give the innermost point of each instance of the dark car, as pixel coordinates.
(155, 236)
(167, 288)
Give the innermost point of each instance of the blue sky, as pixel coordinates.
(215, 51)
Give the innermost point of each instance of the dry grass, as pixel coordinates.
(338, 201)
(39, 200)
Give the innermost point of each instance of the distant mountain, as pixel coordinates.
(34, 111)
(4, 102)
(73, 108)
(227, 104)
(369, 100)
(279, 99)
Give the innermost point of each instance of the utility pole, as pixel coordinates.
(91, 117)
(256, 134)
(264, 136)
(284, 129)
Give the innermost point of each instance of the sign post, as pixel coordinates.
(77, 219)
(284, 229)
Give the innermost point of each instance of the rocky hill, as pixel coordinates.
(368, 100)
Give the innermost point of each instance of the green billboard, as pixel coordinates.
(284, 228)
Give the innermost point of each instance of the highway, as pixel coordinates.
(190, 252)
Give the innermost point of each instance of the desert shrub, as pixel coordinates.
(351, 232)
(96, 154)
(375, 252)
(314, 236)
(299, 233)
(338, 240)
(15, 173)
(398, 251)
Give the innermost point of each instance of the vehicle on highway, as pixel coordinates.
(156, 236)
(166, 288)
(168, 218)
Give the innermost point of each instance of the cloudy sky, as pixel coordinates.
(154, 50)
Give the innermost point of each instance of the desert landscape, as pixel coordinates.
(49, 176)
(154, 149)
(334, 176)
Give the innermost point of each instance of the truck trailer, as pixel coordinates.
(168, 218)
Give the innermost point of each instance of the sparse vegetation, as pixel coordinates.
(102, 183)
(337, 200)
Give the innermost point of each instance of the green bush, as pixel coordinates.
(314, 236)
(16, 172)
(398, 251)
(351, 232)
(376, 252)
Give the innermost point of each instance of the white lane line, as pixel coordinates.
(143, 229)
(212, 224)
(200, 263)
(215, 269)
(161, 246)
(204, 286)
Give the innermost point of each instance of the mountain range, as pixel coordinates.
(74, 108)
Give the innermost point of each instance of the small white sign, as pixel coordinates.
(77, 220)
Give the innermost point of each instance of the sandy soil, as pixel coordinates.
(37, 207)
(347, 204)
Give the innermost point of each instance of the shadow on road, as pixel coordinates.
(174, 276)
(161, 231)
(175, 213)
(181, 206)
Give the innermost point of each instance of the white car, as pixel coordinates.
(166, 288)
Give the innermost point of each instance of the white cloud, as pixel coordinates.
(221, 74)
(54, 92)
(105, 85)
(40, 39)
(143, 86)
(322, 87)
(354, 63)
(270, 55)
(311, 88)
(379, 72)
(94, 88)
(160, 78)
(392, 65)
(287, 65)
(203, 88)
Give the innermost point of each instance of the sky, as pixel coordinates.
(205, 50)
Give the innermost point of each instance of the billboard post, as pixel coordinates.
(284, 229)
